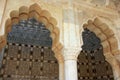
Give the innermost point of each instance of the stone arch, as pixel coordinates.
(106, 35)
(43, 16)
(33, 11)
(91, 53)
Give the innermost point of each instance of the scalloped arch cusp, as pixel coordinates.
(50, 27)
(103, 27)
(23, 9)
(23, 13)
(102, 37)
(14, 16)
(97, 22)
(45, 14)
(53, 21)
(34, 14)
(53, 36)
(35, 8)
(114, 43)
(43, 20)
(106, 47)
(57, 32)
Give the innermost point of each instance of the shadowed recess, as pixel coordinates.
(30, 32)
(91, 62)
(90, 41)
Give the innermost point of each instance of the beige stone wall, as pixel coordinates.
(71, 17)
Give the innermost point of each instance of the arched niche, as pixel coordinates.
(22, 17)
(28, 53)
(107, 40)
(91, 61)
(33, 11)
(105, 34)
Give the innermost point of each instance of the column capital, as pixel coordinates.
(71, 53)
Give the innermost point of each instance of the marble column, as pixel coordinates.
(70, 61)
(115, 64)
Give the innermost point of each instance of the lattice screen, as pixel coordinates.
(92, 66)
(27, 62)
(22, 60)
(91, 61)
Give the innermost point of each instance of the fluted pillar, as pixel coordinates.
(70, 60)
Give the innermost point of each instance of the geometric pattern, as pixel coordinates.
(27, 62)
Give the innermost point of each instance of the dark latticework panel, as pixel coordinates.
(30, 32)
(28, 54)
(25, 62)
(91, 62)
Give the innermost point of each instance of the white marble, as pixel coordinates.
(71, 70)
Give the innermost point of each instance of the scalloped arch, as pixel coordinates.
(106, 35)
(35, 11)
